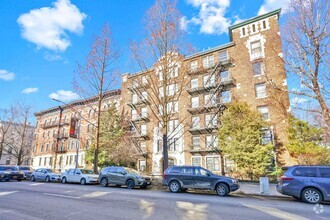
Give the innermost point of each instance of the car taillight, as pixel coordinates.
(286, 178)
(164, 175)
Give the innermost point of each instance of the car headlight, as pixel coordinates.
(234, 181)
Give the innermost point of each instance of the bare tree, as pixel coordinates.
(164, 46)
(306, 42)
(6, 121)
(20, 140)
(97, 76)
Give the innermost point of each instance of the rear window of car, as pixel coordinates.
(176, 170)
(25, 168)
(305, 172)
(8, 168)
(324, 172)
(112, 170)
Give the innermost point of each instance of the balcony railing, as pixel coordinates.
(140, 135)
(203, 130)
(142, 117)
(204, 151)
(138, 102)
(61, 136)
(61, 150)
(205, 108)
(138, 86)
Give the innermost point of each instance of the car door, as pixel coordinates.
(187, 176)
(77, 175)
(37, 174)
(42, 174)
(203, 179)
(324, 181)
(69, 175)
(121, 176)
(111, 174)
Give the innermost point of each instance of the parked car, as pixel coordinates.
(308, 183)
(181, 178)
(26, 170)
(10, 173)
(81, 176)
(123, 176)
(46, 175)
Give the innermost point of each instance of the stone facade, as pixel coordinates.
(52, 128)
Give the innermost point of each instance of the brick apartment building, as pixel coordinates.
(52, 139)
(245, 69)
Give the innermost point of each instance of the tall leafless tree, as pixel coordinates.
(20, 140)
(6, 121)
(307, 48)
(97, 76)
(163, 46)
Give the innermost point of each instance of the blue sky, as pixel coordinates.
(43, 40)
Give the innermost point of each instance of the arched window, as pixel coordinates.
(64, 119)
(90, 113)
(55, 120)
(42, 148)
(50, 121)
(46, 148)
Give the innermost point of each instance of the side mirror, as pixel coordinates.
(208, 174)
(124, 173)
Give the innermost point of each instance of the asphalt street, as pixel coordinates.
(38, 200)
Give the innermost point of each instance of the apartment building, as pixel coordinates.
(53, 138)
(247, 69)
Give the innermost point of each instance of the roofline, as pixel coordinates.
(77, 102)
(251, 20)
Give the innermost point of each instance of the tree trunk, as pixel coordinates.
(165, 152)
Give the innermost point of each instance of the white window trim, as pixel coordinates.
(212, 156)
(201, 158)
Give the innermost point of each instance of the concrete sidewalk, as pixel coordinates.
(254, 189)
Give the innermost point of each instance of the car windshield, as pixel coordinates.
(132, 171)
(25, 168)
(8, 168)
(87, 171)
(49, 171)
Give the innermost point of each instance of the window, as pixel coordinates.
(208, 61)
(173, 144)
(264, 24)
(254, 28)
(172, 107)
(144, 112)
(143, 146)
(172, 125)
(144, 80)
(258, 68)
(160, 145)
(143, 129)
(243, 32)
(213, 163)
(42, 148)
(210, 121)
(224, 76)
(230, 165)
(210, 100)
(142, 165)
(89, 126)
(305, 172)
(46, 148)
(134, 114)
(195, 122)
(256, 48)
(223, 56)
(196, 142)
(195, 102)
(263, 110)
(193, 65)
(211, 141)
(173, 72)
(144, 95)
(171, 162)
(226, 97)
(208, 81)
(45, 161)
(261, 90)
(267, 136)
(176, 170)
(196, 161)
(171, 89)
(39, 162)
(194, 83)
(134, 98)
(324, 172)
(160, 74)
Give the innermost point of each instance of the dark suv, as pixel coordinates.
(180, 178)
(10, 173)
(309, 183)
(123, 176)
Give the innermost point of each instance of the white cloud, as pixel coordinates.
(270, 5)
(211, 17)
(6, 75)
(52, 57)
(30, 90)
(64, 96)
(48, 26)
(298, 100)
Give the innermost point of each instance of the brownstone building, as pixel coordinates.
(52, 134)
(248, 69)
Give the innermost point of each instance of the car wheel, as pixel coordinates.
(63, 180)
(311, 195)
(33, 178)
(104, 182)
(47, 179)
(175, 186)
(83, 181)
(222, 189)
(130, 184)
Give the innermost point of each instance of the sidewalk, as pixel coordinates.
(254, 189)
